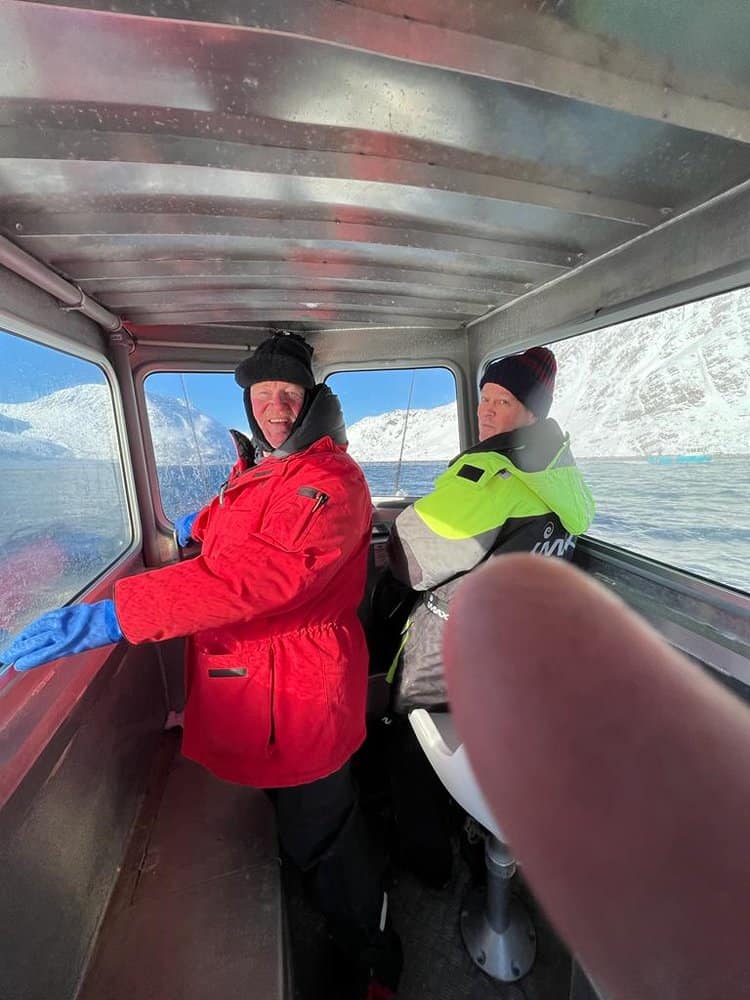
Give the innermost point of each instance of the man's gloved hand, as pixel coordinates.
(62, 632)
(182, 527)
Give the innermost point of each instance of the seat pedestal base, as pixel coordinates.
(505, 955)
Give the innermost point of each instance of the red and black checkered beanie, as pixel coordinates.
(529, 376)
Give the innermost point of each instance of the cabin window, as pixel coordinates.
(65, 513)
(658, 411)
(189, 415)
(402, 425)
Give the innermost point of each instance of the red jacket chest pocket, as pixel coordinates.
(290, 521)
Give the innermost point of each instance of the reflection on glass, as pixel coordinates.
(402, 425)
(65, 514)
(658, 410)
(190, 416)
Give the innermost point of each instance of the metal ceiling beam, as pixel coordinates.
(83, 185)
(272, 290)
(345, 26)
(363, 179)
(252, 332)
(200, 298)
(704, 251)
(314, 241)
(306, 318)
(166, 275)
(81, 230)
(457, 270)
(335, 343)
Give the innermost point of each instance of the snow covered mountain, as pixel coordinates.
(671, 386)
(77, 423)
(677, 383)
(74, 422)
(180, 434)
(431, 435)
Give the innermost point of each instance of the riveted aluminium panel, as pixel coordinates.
(437, 144)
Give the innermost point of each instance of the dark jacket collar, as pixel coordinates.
(530, 449)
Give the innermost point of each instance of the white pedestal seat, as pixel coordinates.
(496, 929)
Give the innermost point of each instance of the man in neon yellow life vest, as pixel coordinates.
(518, 490)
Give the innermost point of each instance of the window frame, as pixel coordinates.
(34, 706)
(462, 407)
(167, 367)
(44, 337)
(716, 645)
(606, 316)
(714, 592)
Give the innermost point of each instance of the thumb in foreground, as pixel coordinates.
(618, 771)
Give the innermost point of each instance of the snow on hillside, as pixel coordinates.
(676, 383)
(431, 435)
(77, 423)
(73, 422)
(178, 433)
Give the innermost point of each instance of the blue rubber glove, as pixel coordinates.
(183, 526)
(61, 633)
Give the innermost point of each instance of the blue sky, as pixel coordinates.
(362, 393)
(29, 370)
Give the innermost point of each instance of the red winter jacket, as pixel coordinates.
(276, 671)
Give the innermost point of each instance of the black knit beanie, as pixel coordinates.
(285, 357)
(529, 376)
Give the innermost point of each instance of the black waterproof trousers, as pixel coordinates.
(322, 829)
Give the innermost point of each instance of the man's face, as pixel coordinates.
(276, 405)
(499, 411)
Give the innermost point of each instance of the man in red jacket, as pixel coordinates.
(276, 673)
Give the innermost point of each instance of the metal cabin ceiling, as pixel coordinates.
(207, 168)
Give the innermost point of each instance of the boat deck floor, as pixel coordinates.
(198, 912)
(436, 964)
(204, 911)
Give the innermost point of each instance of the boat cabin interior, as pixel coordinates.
(417, 188)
